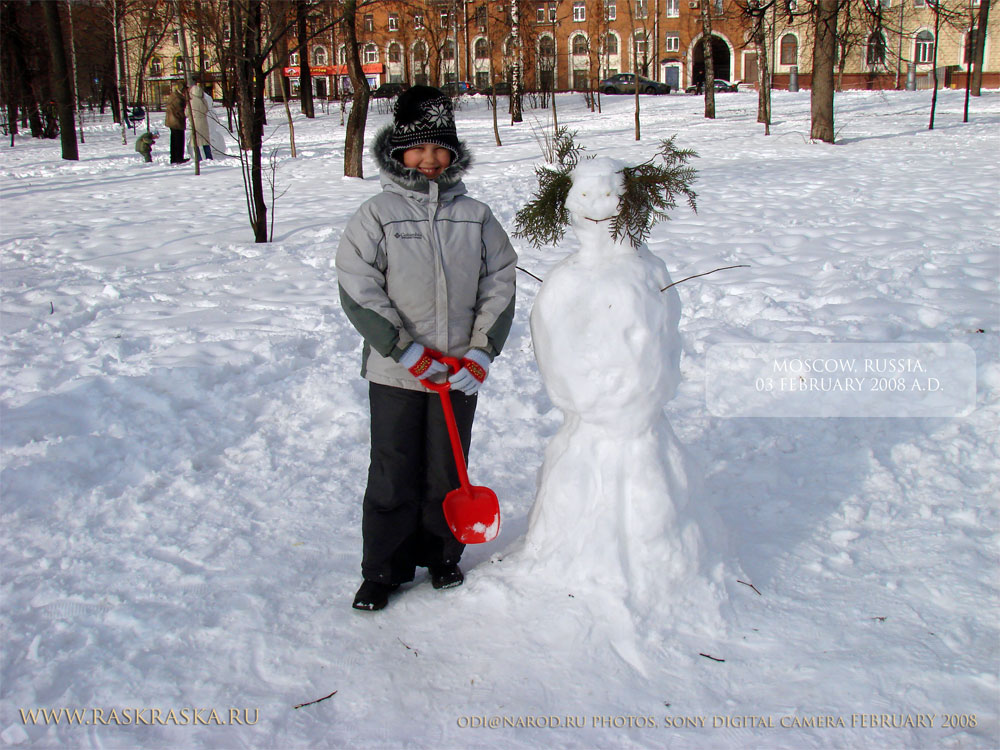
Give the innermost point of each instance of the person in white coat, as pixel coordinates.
(199, 116)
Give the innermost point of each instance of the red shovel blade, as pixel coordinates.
(473, 514)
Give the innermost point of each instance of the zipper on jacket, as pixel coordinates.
(440, 281)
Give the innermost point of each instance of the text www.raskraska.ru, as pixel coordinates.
(141, 716)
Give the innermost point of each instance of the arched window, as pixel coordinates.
(371, 54)
(482, 49)
(875, 51)
(924, 52)
(789, 50)
(319, 56)
(580, 45)
(395, 53)
(448, 51)
(611, 45)
(546, 47)
(420, 52)
(155, 67)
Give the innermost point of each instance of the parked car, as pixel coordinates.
(457, 88)
(624, 83)
(720, 85)
(502, 88)
(389, 90)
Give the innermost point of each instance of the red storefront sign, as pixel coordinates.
(332, 70)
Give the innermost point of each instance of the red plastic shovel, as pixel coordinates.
(472, 513)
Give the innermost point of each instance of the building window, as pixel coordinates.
(967, 48)
(155, 67)
(395, 53)
(178, 65)
(919, 3)
(445, 19)
(481, 16)
(718, 7)
(875, 50)
(293, 58)
(546, 47)
(419, 52)
(673, 8)
(371, 54)
(611, 44)
(610, 10)
(580, 46)
(482, 49)
(789, 50)
(540, 15)
(640, 43)
(418, 21)
(925, 47)
(482, 79)
(319, 55)
(342, 54)
(581, 80)
(448, 51)
(640, 9)
(393, 22)
(177, 37)
(369, 22)
(579, 11)
(673, 42)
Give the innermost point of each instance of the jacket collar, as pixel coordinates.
(410, 181)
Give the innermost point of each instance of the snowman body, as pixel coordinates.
(612, 507)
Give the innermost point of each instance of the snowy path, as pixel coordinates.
(184, 447)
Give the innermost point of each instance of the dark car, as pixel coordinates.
(624, 83)
(502, 88)
(389, 90)
(720, 85)
(457, 88)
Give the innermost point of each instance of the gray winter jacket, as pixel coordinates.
(423, 262)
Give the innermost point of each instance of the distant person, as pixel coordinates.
(176, 120)
(199, 120)
(144, 145)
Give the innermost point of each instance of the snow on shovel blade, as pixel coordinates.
(473, 514)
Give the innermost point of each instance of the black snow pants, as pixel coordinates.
(412, 469)
(176, 146)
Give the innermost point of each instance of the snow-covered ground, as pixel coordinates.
(184, 449)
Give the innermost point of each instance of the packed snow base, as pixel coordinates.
(184, 438)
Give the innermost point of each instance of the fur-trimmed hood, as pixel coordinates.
(412, 179)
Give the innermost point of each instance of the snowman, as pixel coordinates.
(614, 507)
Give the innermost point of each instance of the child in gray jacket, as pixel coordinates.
(424, 271)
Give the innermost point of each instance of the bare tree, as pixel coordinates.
(305, 72)
(706, 44)
(355, 136)
(980, 46)
(824, 53)
(754, 13)
(61, 85)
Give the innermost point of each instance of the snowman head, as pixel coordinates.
(597, 188)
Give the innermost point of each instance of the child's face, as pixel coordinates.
(431, 160)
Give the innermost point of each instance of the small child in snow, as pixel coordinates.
(423, 270)
(144, 145)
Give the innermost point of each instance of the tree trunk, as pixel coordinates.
(824, 52)
(934, 76)
(706, 42)
(763, 73)
(977, 71)
(354, 143)
(61, 86)
(516, 85)
(305, 73)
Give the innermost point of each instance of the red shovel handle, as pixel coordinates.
(449, 418)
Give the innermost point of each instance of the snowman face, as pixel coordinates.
(597, 186)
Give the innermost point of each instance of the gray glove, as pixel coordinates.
(475, 368)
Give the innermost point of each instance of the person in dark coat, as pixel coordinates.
(176, 120)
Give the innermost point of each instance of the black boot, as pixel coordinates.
(373, 595)
(446, 576)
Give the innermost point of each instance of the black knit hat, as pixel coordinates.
(423, 115)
